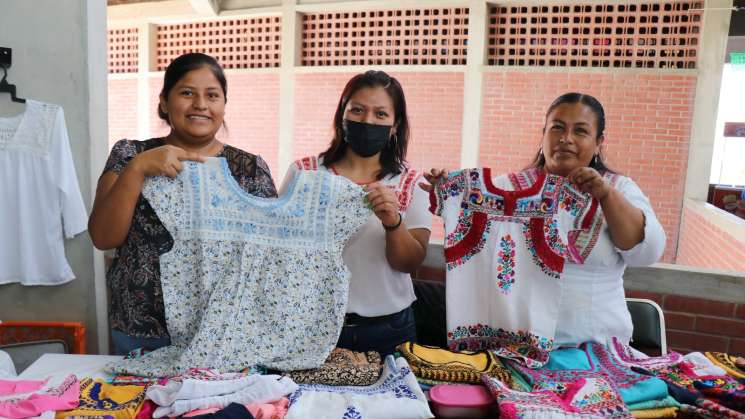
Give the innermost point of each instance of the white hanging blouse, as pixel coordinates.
(41, 200)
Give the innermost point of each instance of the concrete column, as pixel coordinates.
(291, 50)
(711, 52)
(99, 139)
(147, 52)
(473, 80)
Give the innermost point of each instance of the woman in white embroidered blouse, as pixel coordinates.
(625, 232)
(371, 133)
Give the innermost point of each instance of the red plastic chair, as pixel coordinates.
(72, 333)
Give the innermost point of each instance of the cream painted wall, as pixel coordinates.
(59, 56)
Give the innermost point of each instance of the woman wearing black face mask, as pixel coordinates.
(371, 132)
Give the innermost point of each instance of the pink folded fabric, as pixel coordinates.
(10, 387)
(63, 397)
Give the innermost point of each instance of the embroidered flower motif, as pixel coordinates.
(506, 264)
(352, 413)
(403, 391)
(467, 240)
(475, 197)
(553, 238)
(529, 241)
(530, 348)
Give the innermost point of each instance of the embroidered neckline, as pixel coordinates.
(15, 127)
(252, 199)
(519, 193)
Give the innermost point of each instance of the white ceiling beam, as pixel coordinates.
(206, 7)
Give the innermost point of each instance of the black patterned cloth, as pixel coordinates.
(133, 279)
(343, 368)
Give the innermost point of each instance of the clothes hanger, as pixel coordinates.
(9, 88)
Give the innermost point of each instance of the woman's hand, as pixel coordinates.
(384, 203)
(588, 180)
(163, 160)
(433, 177)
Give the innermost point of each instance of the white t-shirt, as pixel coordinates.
(376, 289)
(41, 197)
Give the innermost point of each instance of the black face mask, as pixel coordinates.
(366, 139)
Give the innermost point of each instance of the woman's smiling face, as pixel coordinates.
(570, 138)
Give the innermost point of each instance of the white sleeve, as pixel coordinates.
(417, 215)
(291, 172)
(74, 215)
(652, 245)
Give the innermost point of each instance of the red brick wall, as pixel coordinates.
(648, 120)
(122, 109)
(316, 97)
(158, 127)
(696, 324)
(706, 245)
(252, 116)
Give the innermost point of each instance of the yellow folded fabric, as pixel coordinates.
(662, 412)
(726, 362)
(440, 364)
(98, 398)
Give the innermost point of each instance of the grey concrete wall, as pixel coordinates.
(59, 56)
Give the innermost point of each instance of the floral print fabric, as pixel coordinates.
(504, 254)
(134, 276)
(250, 281)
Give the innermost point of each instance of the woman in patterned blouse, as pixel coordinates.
(192, 102)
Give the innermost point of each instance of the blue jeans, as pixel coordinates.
(382, 336)
(124, 343)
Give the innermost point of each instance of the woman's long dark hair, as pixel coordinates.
(393, 155)
(598, 161)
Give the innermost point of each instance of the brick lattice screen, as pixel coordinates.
(123, 52)
(236, 43)
(386, 37)
(660, 34)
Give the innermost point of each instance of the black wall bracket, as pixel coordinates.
(6, 55)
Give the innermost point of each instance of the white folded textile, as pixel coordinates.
(7, 369)
(178, 397)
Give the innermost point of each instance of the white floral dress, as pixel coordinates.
(504, 252)
(251, 281)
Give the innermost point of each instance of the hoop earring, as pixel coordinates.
(594, 162)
